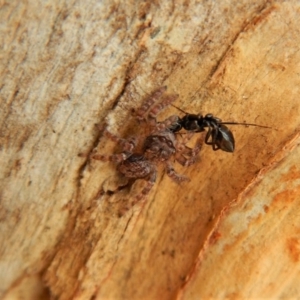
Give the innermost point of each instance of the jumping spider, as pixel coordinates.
(140, 156)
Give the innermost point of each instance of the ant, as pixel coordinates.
(218, 135)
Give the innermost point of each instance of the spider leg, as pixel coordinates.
(170, 123)
(147, 188)
(117, 158)
(187, 136)
(154, 111)
(181, 146)
(149, 101)
(142, 196)
(191, 152)
(126, 144)
(184, 161)
(175, 176)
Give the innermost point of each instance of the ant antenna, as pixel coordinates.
(180, 109)
(246, 124)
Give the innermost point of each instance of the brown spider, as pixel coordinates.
(139, 159)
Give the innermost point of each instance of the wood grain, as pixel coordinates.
(67, 70)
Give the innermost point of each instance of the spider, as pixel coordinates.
(218, 135)
(139, 157)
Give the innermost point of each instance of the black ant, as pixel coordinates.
(218, 136)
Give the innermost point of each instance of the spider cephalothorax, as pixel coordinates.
(160, 145)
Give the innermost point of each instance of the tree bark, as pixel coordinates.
(70, 69)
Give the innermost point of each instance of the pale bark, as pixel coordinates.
(66, 68)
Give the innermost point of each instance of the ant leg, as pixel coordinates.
(212, 132)
(208, 135)
(175, 176)
(149, 101)
(215, 147)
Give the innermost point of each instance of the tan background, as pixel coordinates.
(232, 232)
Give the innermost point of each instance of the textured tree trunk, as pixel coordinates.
(70, 69)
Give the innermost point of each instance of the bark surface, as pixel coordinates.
(67, 70)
